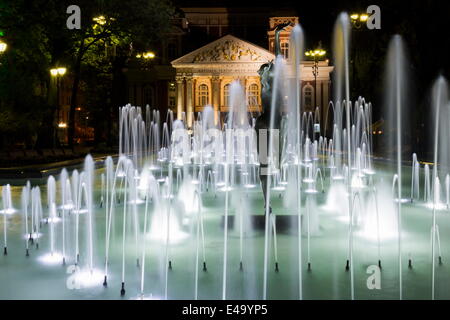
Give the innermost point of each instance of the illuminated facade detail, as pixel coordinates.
(284, 35)
(253, 96)
(284, 46)
(212, 69)
(172, 96)
(226, 95)
(308, 94)
(203, 76)
(203, 95)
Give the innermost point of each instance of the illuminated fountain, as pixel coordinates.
(180, 213)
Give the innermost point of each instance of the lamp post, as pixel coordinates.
(357, 20)
(57, 73)
(146, 55)
(101, 20)
(3, 47)
(146, 58)
(315, 55)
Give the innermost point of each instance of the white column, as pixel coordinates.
(216, 97)
(180, 97)
(244, 82)
(189, 102)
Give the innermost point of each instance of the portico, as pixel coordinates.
(203, 77)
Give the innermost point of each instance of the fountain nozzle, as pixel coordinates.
(122, 291)
(105, 282)
(5, 251)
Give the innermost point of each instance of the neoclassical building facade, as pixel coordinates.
(203, 76)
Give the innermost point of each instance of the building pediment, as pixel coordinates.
(227, 49)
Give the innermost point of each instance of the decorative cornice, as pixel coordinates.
(274, 21)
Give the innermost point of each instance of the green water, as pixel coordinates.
(24, 277)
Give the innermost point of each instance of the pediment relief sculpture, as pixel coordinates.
(228, 51)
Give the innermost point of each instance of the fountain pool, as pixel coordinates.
(180, 213)
(36, 278)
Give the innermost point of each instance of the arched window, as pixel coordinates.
(284, 46)
(308, 96)
(253, 95)
(226, 95)
(203, 95)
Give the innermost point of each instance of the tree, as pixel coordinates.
(123, 26)
(24, 104)
(38, 40)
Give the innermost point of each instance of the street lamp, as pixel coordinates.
(3, 47)
(316, 56)
(57, 73)
(100, 20)
(146, 59)
(358, 19)
(61, 71)
(146, 55)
